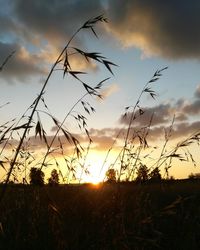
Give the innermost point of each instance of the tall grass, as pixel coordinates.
(134, 140)
(68, 217)
(26, 126)
(136, 149)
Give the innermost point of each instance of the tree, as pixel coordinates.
(54, 179)
(111, 175)
(194, 176)
(36, 176)
(155, 175)
(142, 173)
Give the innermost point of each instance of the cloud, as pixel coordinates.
(104, 138)
(168, 29)
(21, 65)
(56, 20)
(102, 142)
(43, 32)
(197, 92)
(162, 114)
(185, 129)
(192, 108)
(111, 89)
(49, 53)
(180, 131)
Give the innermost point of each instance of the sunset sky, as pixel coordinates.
(140, 37)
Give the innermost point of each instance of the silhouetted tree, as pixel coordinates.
(194, 176)
(111, 175)
(155, 175)
(142, 173)
(36, 176)
(54, 179)
(191, 176)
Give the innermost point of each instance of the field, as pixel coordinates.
(111, 216)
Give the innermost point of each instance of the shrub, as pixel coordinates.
(155, 175)
(142, 173)
(111, 175)
(54, 179)
(36, 176)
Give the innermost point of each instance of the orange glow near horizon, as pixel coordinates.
(96, 172)
(95, 161)
(97, 168)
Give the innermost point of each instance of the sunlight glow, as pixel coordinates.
(96, 172)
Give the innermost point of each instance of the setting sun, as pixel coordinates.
(96, 170)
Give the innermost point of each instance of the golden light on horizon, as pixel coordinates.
(96, 167)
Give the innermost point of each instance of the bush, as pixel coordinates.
(155, 175)
(36, 177)
(111, 175)
(142, 173)
(54, 179)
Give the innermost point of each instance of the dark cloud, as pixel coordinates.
(39, 27)
(181, 117)
(185, 129)
(197, 92)
(7, 25)
(192, 108)
(100, 142)
(180, 131)
(168, 29)
(21, 65)
(162, 28)
(162, 114)
(54, 20)
(107, 138)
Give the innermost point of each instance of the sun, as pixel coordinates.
(94, 175)
(96, 172)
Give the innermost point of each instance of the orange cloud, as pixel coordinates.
(111, 89)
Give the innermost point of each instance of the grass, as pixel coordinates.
(150, 216)
(17, 153)
(31, 118)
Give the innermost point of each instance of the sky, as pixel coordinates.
(140, 37)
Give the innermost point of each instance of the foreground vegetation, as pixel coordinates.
(111, 216)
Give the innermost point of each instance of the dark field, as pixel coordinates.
(113, 216)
